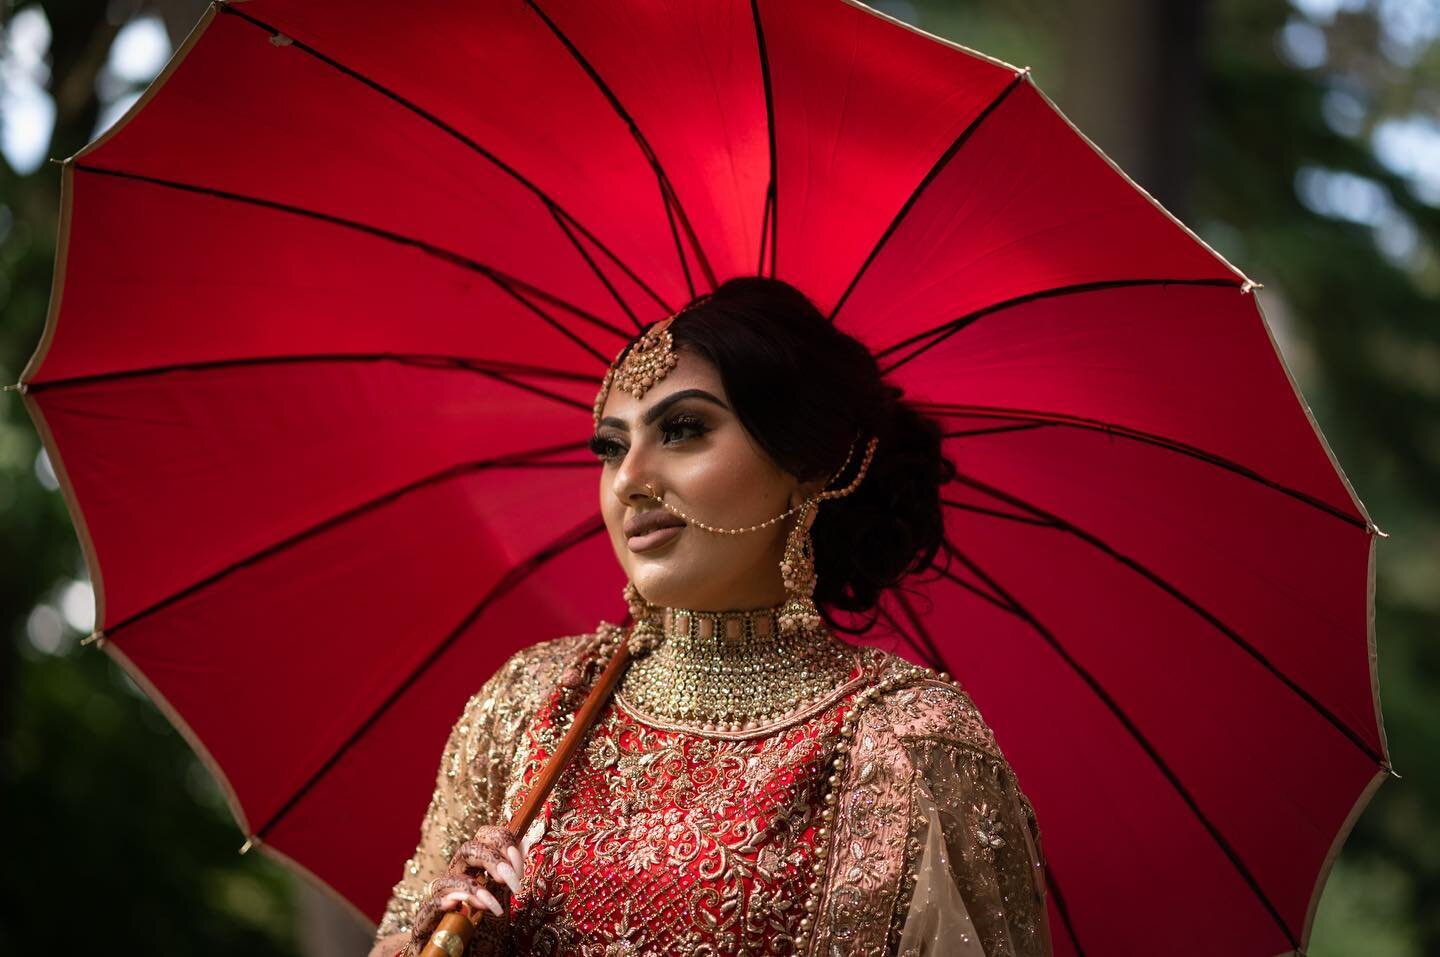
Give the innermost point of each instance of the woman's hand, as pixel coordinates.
(477, 871)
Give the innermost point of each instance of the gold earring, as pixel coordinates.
(797, 568)
(645, 634)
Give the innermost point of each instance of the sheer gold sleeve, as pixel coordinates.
(979, 885)
(474, 772)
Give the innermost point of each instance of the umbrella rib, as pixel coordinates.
(949, 327)
(994, 430)
(526, 459)
(1140, 568)
(937, 663)
(1145, 745)
(505, 375)
(460, 137)
(507, 283)
(940, 163)
(511, 579)
(931, 650)
(595, 268)
(1048, 419)
(993, 512)
(980, 593)
(1054, 890)
(668, 196)
(950, 576)
(769, 216)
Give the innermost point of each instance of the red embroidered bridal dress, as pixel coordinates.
(662, 838)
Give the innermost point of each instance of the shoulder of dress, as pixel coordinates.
(550, 655)
(533, 671)
(922, 705)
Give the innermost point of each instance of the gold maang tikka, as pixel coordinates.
(649, 360)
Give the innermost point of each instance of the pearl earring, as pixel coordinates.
(797, 569)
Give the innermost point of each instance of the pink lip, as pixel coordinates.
(644, 543)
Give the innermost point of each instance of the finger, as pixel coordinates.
(425, 918)
(478, 900)
(455, 899)
(488, 899)
(477, 853)
(495, 835)
(505, 872)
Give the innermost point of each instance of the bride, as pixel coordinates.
(756, 784)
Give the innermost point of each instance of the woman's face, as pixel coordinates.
(683, 440)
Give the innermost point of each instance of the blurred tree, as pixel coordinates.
(112, 815)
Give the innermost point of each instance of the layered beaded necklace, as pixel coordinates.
(733, 670)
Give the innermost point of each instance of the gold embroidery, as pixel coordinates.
(753, 817)
(474, 769)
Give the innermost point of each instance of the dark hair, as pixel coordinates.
(805, 390)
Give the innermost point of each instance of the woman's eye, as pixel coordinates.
(674, 429)
(606, 449)
(682, 426)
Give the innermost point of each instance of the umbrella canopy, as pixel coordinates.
(333, 298)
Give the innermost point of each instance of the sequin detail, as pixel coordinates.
(668, 840)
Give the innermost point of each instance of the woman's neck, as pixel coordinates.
(733, 670)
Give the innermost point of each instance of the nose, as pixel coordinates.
(635, 477)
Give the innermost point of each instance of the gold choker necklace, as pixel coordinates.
(732, 670)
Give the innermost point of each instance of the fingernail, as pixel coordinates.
(515, 857)
(507, 874)
(492, 903)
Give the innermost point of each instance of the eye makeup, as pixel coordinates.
(684, 424)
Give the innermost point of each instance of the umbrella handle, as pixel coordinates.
(453, 934)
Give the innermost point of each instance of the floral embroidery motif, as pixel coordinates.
(666, 841)
(713, 833)
(987, 829)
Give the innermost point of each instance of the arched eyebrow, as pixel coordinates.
(658, 409)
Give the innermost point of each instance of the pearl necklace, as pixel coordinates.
(732, 670)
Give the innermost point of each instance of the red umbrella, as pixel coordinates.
(333, 299)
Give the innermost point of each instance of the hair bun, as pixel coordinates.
(893, 524)
(806, 390)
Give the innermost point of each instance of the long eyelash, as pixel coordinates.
(685, 420)
(603, 448)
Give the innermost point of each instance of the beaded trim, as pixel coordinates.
(838, 763)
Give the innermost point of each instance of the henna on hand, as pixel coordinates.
(492, 850)
(477, 870)
(447, 894)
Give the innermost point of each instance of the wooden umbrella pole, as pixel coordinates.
(453, 934)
